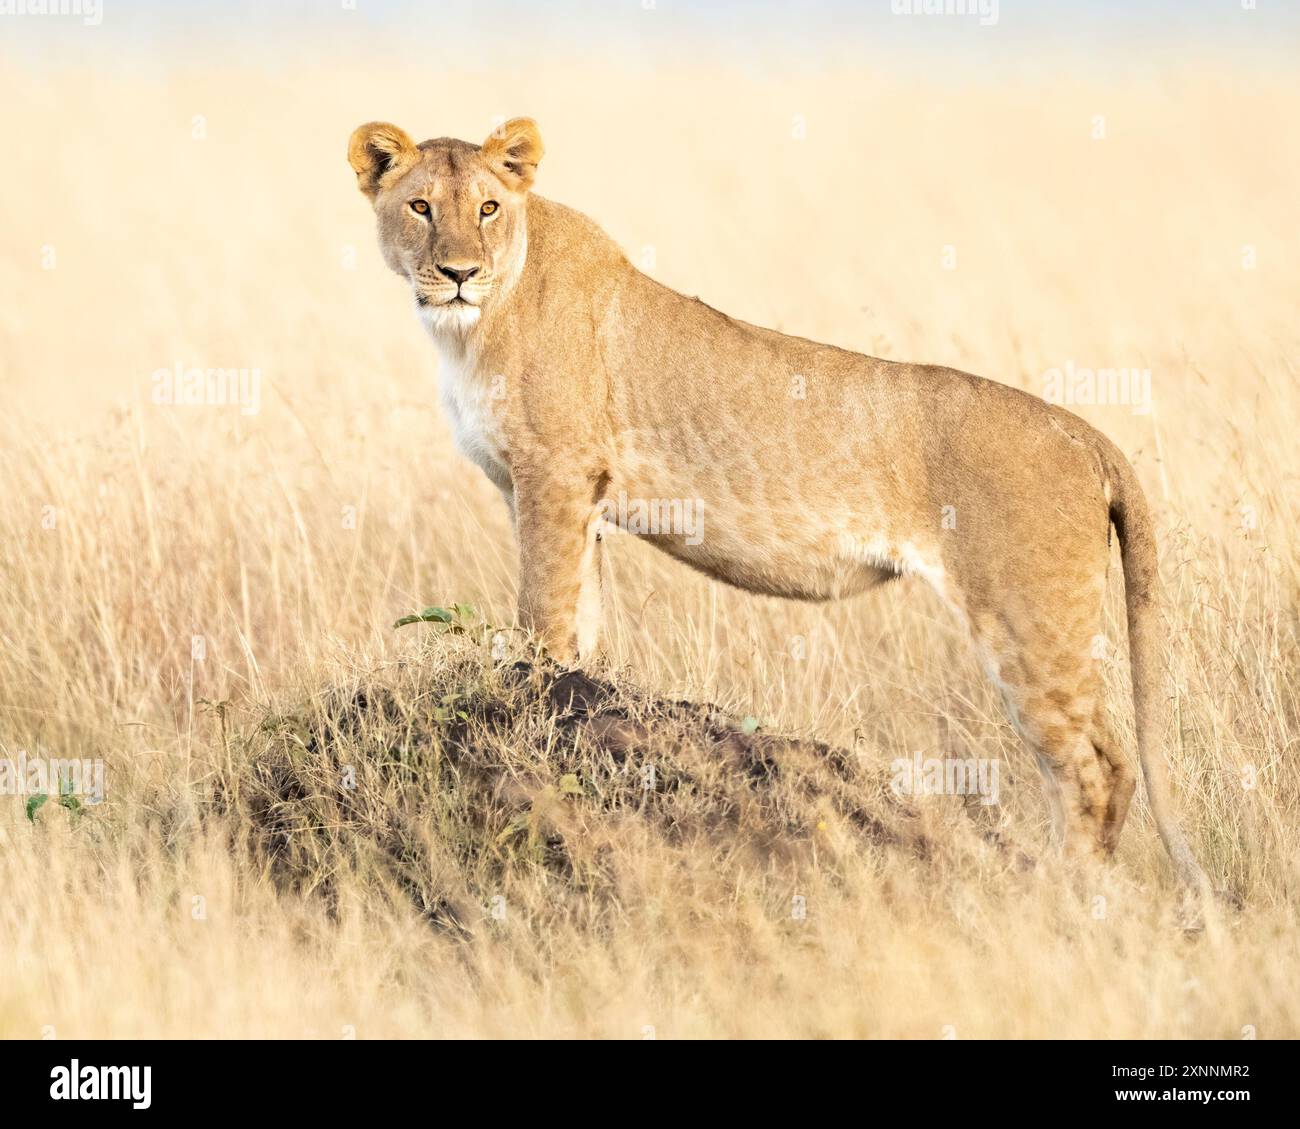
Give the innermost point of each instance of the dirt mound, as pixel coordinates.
(457, 776)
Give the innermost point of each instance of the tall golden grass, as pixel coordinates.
(178, 580)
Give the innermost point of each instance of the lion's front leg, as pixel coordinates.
(591, 596)
(559, 561)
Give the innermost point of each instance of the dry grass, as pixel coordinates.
(289, 541)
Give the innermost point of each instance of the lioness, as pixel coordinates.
(573, 379)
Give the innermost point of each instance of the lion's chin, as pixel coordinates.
(454, 318)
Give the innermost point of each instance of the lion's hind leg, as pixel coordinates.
(1051, 687)
(1123, 778)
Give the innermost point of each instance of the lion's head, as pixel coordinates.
(451, 214)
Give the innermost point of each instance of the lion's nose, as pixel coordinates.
(457, 274)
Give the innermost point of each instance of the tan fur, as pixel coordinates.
(574, 380)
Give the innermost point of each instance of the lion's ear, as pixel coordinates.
(514, 151)
(376, 149)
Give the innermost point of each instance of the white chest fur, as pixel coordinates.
(474, 404)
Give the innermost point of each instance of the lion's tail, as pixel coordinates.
(1147, 639)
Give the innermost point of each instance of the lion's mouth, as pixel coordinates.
(454, 302)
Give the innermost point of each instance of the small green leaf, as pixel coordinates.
(34, 804)
(749, 725)
(429, 615)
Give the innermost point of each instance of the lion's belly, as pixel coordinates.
(781, 549)
(796, 572)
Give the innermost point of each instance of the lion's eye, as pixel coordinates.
(419, 207)
(489, 206)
